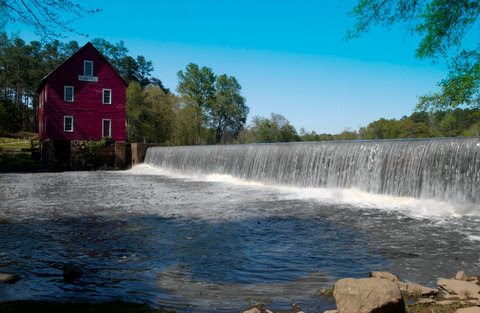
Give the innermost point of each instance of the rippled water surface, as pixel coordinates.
(213, 243)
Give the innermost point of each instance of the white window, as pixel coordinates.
(68, 124)
(87, 68)
(107, 96)
(68, 93)
(106, 128)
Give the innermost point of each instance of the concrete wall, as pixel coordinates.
(138, 153)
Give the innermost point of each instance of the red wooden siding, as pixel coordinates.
(87, 108)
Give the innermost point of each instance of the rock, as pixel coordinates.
(474, 302)
(446, 302)
(424, 301)
(473, 309)
(253, 310)
(472, 278)
(414, 288)
(385, 275)
(453, 297)
(8, 278)
(460, 287)
(461, 275)
(367, 295)
(330, 311)
(71, 272)
(296, 307)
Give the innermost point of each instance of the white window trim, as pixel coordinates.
(65, 93)
(85, 62)
(103, 96)
(64, 123)
(110, 128)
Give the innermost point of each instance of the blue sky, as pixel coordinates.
(289, 56)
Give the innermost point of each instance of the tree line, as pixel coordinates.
(207, 108)
(447, 123)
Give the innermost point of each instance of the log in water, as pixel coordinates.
(443, 169)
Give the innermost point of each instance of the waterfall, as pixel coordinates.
(446, 168)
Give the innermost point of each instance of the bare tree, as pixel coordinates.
(48, 18)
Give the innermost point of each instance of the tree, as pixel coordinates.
(443, 26)
(197, 87)
(161, 115)
(274, 129)
(228, 113)
(49, 19)
(136, 113)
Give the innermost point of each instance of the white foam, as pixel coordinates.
(416, 208)
(473, 238)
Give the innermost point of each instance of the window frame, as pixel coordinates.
(65, 123)
(65, 93)
(109, 130)
(85, 62)
(103, 96)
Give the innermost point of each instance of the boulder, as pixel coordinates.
(368, 295)
(385, 275)
(330, 311)
(461, 275)
(8, 278)
(460, 287)
(253, 310)
(473, 309)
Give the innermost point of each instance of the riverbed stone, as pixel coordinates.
(460, 287)
(368, 295)
(461, 275)
(253, 310)
(385, 275)
(8, 278)
(330, 311)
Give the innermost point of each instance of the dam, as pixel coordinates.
(446, 169)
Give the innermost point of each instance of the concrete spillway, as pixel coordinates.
(444, 169)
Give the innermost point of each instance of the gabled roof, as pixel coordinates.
(87, 45)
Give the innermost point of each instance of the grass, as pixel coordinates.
(14, 143)
(80, 307)
(18, 162)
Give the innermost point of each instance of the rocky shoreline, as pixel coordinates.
(381, 292)
(384, 292)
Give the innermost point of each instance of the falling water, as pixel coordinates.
(444, 169)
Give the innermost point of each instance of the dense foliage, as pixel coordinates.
(448, 29)
(216, 103)
(452, 123)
